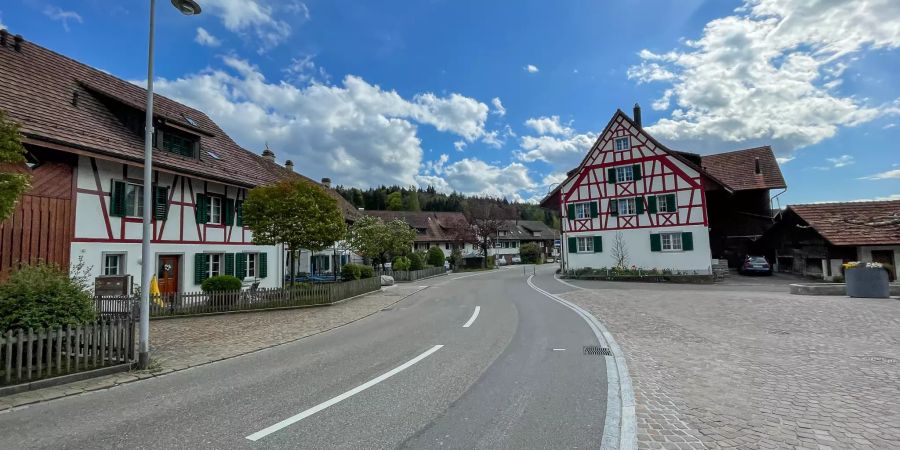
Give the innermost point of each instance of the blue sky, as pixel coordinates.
(501, 98)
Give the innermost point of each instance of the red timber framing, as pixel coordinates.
(661, 174)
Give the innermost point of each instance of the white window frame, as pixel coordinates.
(583, 210)
(120, 263)
(670, 242)
(251, 269)
(214, 210)
(624, 174)
(584, 244)
(215, 263)
(626, 206)
(661, 201)
(138, 203)
(626, 140)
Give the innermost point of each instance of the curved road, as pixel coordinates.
(428, 372)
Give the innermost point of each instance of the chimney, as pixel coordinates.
(18, 43)
(758, 169)
(4, 36)
(327, 182)
(637, 115)
(268, 154)
(289, 165)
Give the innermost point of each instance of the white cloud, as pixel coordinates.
(888, 175)
(459, 145)
(553, 178)
(531, 68)
(563, 152)
(768, 73)
(2, 25)
(357, 133)
(841, 161)
(498, 107)
(258, 19)
(784, 159)
(476, 177)
(304, 70)
(548, 125)
(203, 37)
(57, 13)
(889, 126)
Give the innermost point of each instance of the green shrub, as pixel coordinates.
(456, 259)
(490, 261)
(530, 253)
(401, 263)
(366, 272)
(43, 296)
(435, 256)
(351, 272)
(221, 283)
(416, 262)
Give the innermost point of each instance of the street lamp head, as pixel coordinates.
(187, 7)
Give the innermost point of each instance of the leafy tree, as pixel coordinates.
(357, 198)
(41, 296)
(400, 263)
(12, 154)
(435, 256)
(530, 252)
(416, 262)
(456, 258)
(486, 219)
(372, 238)
(395, 201)
(295, 212)
(412, 200)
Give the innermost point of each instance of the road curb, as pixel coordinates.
(620, 427)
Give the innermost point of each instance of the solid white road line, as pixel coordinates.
(559, 349)
(474, 316)
(294, 419)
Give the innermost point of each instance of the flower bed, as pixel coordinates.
(640, 275)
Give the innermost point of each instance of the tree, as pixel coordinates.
(620, 251)
(395, 201)
(485, 216)
(14, 181)
(373, 238)
(435, 257)
(530, 252)
(412, 199)
(295, 212)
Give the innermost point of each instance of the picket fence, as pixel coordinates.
(28, 355)
(411, 275)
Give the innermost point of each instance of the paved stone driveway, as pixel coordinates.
(732, 369)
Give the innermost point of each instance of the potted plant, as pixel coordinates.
(866, 280)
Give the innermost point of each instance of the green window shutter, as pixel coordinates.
(200, 208)
(117, 199)
(573, 245)
(598, 244)
(229, 211)
(614, 207)
(594, 213)
(636, 171)
(687, 241)
(639, 205)
(611, 175)
(240, 265)
(239, 209)
(128, 209)
(263, 268)
(160, 202)
(655, 243)
(571, 211)
(229, 264)
(670, 202)
(200, 268)
(651, 204)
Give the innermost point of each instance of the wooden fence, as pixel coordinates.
(411, 275)
(28, 355)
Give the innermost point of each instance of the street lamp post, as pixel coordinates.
(187, 7)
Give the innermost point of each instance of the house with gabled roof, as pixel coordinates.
(661, 208)
(445, 230)
(512, 234)
(83, 132)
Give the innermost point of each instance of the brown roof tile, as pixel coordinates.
(737, 169)
(854, 223)
(438, 226)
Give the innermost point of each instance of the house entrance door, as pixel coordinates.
(168, 273)
(885, 257)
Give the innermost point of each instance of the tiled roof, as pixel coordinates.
(437, 226)
(854, 223)
(737, 169)
(526, 229)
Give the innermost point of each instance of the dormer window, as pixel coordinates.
(623, 143)
(177, 142)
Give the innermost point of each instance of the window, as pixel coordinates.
(134, 200)
(321, 263)
(250, 271)
(213, 265)
(665, 203)
(623, 143)
(670, 241)
(585, 244)
(446, 246)
(113, 264)
(214, 210)
(582, 210)
(178, 144)
(626, 207)
(624, 174)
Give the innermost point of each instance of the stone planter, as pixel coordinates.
(864, 282)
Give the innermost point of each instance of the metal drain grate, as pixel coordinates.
(596, 350)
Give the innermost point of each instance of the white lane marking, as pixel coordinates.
(296, 418)
(559, 349)
(474, 316)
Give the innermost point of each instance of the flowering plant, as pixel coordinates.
(861, 264)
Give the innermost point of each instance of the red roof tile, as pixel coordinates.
(737, 169)
(854, 223)
(438, 226)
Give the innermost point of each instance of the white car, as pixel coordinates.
(517, 260)
(500, 261)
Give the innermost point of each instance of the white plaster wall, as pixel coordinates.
(637, 243)
(865, 254)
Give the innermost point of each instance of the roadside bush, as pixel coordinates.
(401, 263)
(530, 253)
(221, 283)
(351, 272)
(456, 259)
(366, 272)
(416, 262)
(43, 296)
(435, 256)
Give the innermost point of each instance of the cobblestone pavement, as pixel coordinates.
(177, 344)
(714, 369)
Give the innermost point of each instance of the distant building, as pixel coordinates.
(445, 230)
(514, 233)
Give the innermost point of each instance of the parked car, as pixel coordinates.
(517, 260)
(500, 261)
(755, 265)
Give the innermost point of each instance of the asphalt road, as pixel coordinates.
(412, 376)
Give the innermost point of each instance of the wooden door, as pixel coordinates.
(168, 273)
(885, 257)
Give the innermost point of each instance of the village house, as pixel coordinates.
(83, 131)
(661, 208)
(816, 239)
(445, 230)
(514, 233)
